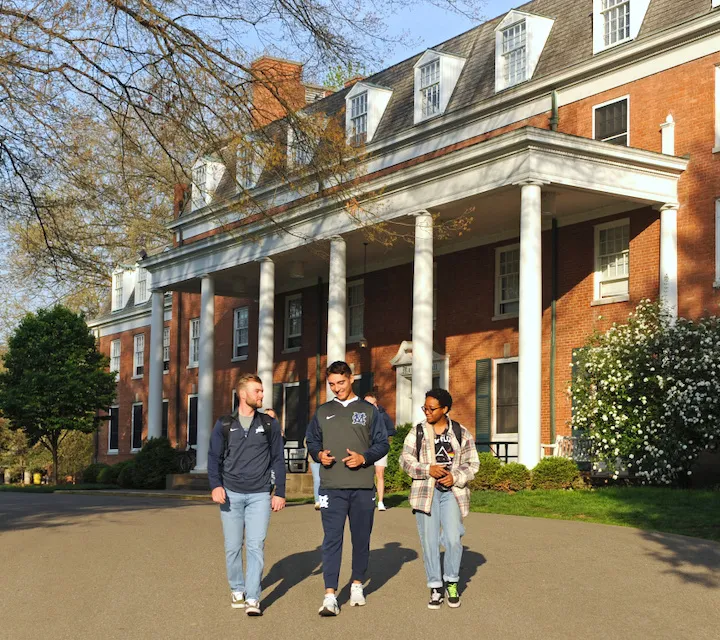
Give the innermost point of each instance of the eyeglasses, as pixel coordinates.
(427, 410)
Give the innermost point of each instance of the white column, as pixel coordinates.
(266, 325)
(530, 325)
(337, 304)
(669, 259)
(155, 390)
(206, 370)
(422, 318)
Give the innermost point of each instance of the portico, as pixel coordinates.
(503, 184)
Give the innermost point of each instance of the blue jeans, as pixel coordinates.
(315, 468)
(444, 514)
(248, 514)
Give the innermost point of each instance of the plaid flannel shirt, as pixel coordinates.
(464, 466)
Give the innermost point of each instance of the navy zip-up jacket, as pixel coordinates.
(249, 460)
(387, 421)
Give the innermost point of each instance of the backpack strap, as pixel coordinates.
(266, 421)
(457, 431)
(419, 435)
(226, 422)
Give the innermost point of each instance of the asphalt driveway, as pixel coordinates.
(117, 567)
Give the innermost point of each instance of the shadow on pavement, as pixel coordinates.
(22, 511)
(692, 560)
(289, 572)
(385, 563)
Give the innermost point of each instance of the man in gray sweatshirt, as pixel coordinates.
(346, 436)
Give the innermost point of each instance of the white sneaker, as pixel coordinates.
(237, 600)
(329, 606)
(381, 506)
(252, 608)
(357, 597)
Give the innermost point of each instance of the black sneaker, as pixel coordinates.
(453, 595)
(436, 598)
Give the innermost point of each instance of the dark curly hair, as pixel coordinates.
(442, 396)
(343, 368)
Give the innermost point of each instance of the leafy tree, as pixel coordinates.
(55, 380)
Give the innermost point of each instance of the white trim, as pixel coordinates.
(113, 452)
(285, 385)
(450, 68)
(187, 421)
(716, 284)
(637, 11)
(132, 426)
(117, 342)
(498, 251)
(377, 101)
(605, 104)
(493, 422)
(286, 323)
(597, 299)
(716, 148)
(236, 344)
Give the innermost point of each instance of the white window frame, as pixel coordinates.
(377, 101)
(716, 148)
(113, 452)
(115, 357)
(286, 328)
(355, 337)
(430, 79)
(245, 166)
(132, 426)
(138, 355)
(498, 302)
(200, 196)
(141, 288)
(166, 349)
(117, 302)
(236, 342)
(508, 53)
(638, 11)
(193, 343)
(716, 284)
(494, 435)
(605, 104)
(187, 422)
(597, 300)
(358, 117)
(604, 18)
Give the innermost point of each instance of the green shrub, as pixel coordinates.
(512, 477)
(104, 475)
(90, 473)
(153, 462)
(395, 478)
(125, 477)
(485, 477)
(116, 469)
(555, 473)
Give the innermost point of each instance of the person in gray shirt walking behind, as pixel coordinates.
(246, 448)
(346, 436)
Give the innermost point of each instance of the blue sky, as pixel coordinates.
(430, 26)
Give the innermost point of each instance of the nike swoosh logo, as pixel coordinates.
(328, 417)
(235, 429)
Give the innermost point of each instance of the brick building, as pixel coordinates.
(582, 138)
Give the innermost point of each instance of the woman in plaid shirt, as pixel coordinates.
(445, 461)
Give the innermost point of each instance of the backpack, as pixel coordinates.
(419, 435)
(227, 421)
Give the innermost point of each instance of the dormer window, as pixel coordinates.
(436, 75)
(430, 88)
(358, 118)
(365, 105)
(245, 166)
(300, 148)
(206, 176)
(117, 302)
(199, 186)
(515, 53)
(141, 290)
(616, 21)
(520, 38)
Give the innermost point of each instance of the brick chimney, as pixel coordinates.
(272, 75)
(180, 198)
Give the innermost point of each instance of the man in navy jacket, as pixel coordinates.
(346, 436)
(239, 471)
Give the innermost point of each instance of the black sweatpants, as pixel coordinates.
(335, 506)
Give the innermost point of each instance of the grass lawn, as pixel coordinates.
(686, 512)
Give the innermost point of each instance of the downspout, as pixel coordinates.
(553, 321)
(555, 118)
(318, 351)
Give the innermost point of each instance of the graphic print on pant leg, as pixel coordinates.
(324, 501)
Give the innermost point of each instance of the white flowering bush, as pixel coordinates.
(647, 394)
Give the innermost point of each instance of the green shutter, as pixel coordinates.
(483, 385)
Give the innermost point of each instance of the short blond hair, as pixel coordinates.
(247, 377)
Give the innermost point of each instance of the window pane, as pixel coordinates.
(508, 281)
(137, 426)
(164, 431)
(114, 427)
(506, 420)
(611, 122)
(192, 421)
(613, 260)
